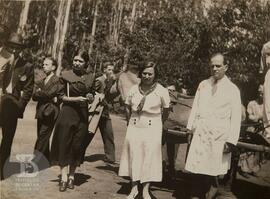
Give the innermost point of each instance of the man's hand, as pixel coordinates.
(189, 135)
(228, 147)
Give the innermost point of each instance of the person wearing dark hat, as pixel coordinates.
(45, 93)
(17, 87)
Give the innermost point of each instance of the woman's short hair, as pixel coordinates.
(149, 64)
(83, 54)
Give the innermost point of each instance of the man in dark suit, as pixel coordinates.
(45, 93)
(17, 87)
(103, 84)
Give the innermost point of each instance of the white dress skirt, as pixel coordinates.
(141, 156)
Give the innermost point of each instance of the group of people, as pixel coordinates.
(74, 89)
(214, 121)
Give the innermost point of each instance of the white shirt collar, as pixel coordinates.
(48, 78)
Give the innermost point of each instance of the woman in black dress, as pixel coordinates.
(72, 124)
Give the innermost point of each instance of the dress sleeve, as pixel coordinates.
(266, 99)
(263, 64)
(165, 98)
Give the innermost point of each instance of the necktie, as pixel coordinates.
(214, 87)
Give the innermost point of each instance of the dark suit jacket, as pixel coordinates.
(22, 82)
(44, 94)
(102, 85)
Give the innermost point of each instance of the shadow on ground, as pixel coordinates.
(94, 158)
(109, 167)
(79, 179)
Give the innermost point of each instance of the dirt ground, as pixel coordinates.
(98, 180)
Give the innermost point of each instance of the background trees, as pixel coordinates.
(178, 34)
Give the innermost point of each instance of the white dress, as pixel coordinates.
(266, 103)
(215, 119)
(141, 157)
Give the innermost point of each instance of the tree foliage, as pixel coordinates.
(177, 34)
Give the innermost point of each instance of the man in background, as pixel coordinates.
(103, 85)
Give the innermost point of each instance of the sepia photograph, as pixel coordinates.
(135, 99)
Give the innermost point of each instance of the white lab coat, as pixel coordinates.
(215, 119)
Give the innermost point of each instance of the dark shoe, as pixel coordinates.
(63, 186)
(70, 183)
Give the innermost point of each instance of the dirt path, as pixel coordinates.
(95, 179)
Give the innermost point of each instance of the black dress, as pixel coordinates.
(72, 124)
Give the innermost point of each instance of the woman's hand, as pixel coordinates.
(228, 147)
(74, 99)
(128, 113)
(81, 99)
(90, 97)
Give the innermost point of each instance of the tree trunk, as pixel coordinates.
(44, 39)
(63, 36)
(24, 15)
(117, 24)
(57, 28)
(92, 39)
(133, 16)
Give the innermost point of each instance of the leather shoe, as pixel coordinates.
(63, 186)
(70, 183)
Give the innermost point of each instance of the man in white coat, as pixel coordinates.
(215, 121)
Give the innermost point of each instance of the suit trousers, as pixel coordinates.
(44, 131)
(9, 116)
(105, 127)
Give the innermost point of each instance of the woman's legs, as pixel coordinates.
(64, 173)
(146, 194)
(134, 190)
(63, 182)
(72, 169)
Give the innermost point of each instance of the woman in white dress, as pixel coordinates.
(147, 108)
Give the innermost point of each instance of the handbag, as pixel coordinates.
(49, 111)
